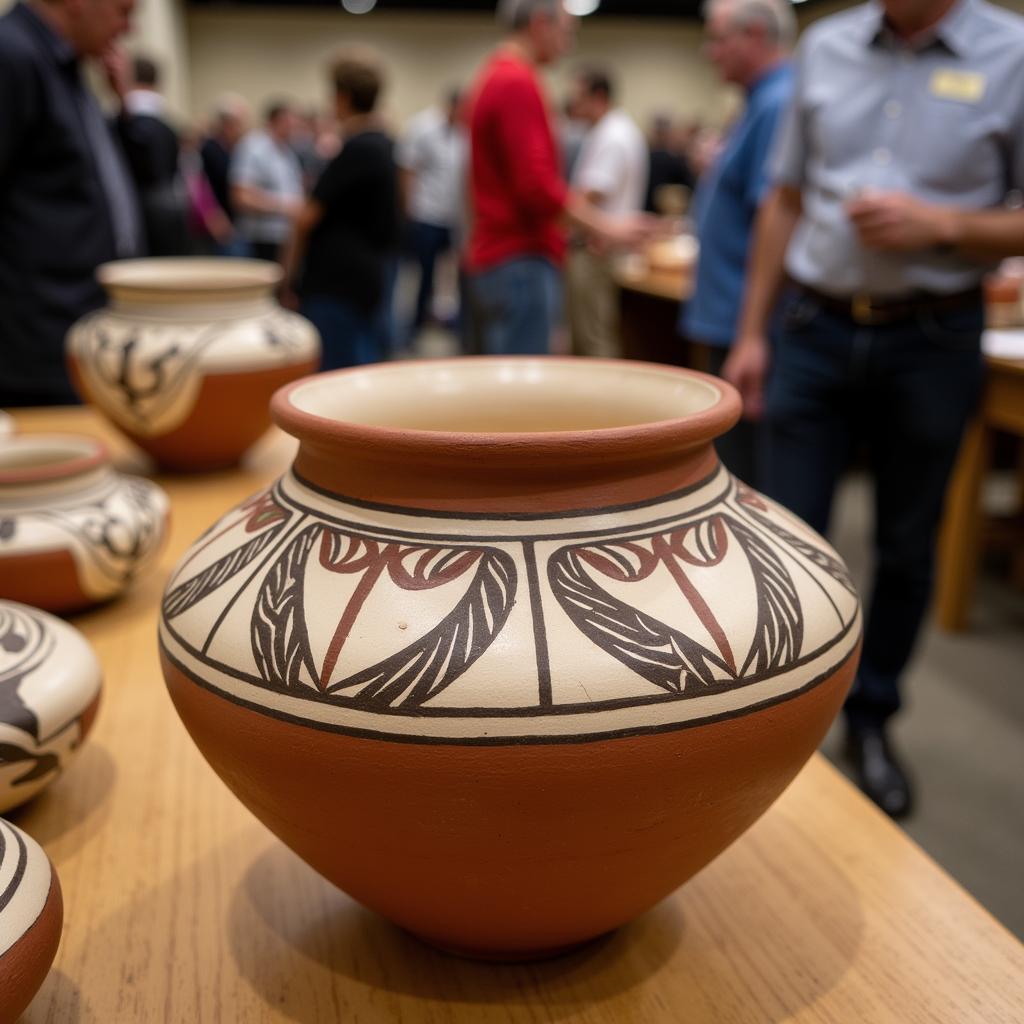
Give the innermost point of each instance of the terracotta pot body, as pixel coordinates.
(507, 655)
(73, 532)
(49, 695)
(188, 354)
(31, 915)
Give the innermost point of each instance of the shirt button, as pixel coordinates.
(893, 109)
(882, 156)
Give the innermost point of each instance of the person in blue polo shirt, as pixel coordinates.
(748, 41)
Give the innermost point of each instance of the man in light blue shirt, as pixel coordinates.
(748, 41)
(892, 177)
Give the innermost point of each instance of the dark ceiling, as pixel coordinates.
(609, 8)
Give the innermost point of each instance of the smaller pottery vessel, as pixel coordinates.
(187, 355)
(73, 532)
(31, 916)
(50, 685)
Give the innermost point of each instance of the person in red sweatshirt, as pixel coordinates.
(520, 203)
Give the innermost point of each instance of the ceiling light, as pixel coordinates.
(581, 8)
(359, 6)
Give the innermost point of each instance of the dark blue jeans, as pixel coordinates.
(427, 242)
(350, 337)
(514, 306)
(903, 392)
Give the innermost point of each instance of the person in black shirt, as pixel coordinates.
(346, 237)
(67, 202)
(230, 123)
(154, 154)
(668, 163)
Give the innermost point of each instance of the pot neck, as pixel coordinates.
(449, 437)
(512, 482)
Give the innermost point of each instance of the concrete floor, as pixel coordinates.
(962, 731)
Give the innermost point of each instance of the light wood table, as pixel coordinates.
(963, 529)
(180, 907)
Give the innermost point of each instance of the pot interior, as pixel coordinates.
(34, 458)
(502, 396)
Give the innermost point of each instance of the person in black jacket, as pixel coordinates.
(346, 237)
(67, 201)
(229, 124)
(154, 154)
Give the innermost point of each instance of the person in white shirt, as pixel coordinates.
(266, 183)
(611, 172)
(432, 157)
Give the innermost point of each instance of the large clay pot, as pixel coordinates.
(49, 694)
(188, 354)
(508, 655)
(73, 532)
(31, 915)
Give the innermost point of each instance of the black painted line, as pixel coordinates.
(526, 517)
(540, 636)
(19, 871)
(507, 741)
(612, 534)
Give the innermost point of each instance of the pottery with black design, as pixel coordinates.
(508, 655)
(50, 685)
(73, 530)
(31, 916)
(187, 355)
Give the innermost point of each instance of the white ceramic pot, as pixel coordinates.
(73, 532)
(187, 355)
(49, 693)
(31, 915)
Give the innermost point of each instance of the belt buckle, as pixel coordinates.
(861, 309)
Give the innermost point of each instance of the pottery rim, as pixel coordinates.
(409, 407)
(169, 278)
(45, 458)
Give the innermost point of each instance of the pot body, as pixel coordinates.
(31, 916)
(188, 354)
(50, 685)
(73, 532)
(510, 731)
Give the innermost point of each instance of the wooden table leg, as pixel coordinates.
(960, 538)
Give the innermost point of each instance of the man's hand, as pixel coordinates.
(629, 231)
(115, 66)
(746, 368)
(895, 221)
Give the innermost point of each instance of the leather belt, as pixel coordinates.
(873, 311)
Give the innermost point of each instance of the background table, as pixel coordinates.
(963, 531)
(180, 907)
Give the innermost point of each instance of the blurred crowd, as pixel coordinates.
(240, 184)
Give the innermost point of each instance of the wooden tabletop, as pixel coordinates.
(180, 907)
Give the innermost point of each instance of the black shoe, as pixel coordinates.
(879, 774)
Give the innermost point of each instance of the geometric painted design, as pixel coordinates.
(113, 526)
(431, 627)
(24, 884)
(146, 370)
(49, 677)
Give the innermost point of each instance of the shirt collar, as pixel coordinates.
(774, 72)
(145, 103)
(60, 49)
(953, 32)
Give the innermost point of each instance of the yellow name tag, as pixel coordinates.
(964, 86)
